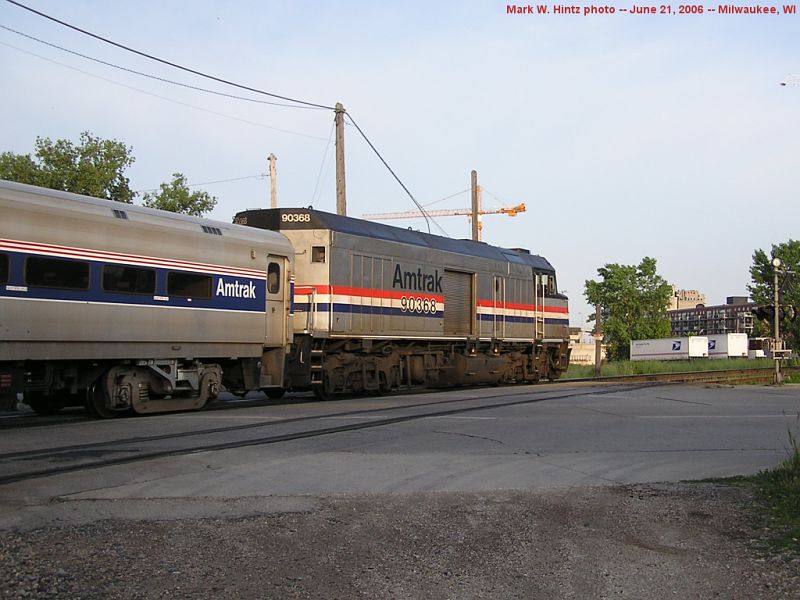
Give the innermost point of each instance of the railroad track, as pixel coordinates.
(47, 462)
(722, 376)
(729, 376)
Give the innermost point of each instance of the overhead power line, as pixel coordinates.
(166, 62)
(226, 82)
(447, 197)
(155, 77)
(378, 154)
(259, 176)
(322, 165)
(172, 100)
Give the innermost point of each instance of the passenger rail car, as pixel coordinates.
(133, 308)
(378, 308)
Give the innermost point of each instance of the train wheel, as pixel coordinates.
(96, 401)
(383, 385)
(90, 392)
(274, 393)
(44, 405)
(323, 391)
(209, 388)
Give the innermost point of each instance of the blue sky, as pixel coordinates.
(626, 136)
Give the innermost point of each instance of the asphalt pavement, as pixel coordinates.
(537, 437)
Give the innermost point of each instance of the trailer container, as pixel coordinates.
(727, 345)
(759, 347)
(681, 348)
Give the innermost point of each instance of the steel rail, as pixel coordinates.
(754, 375)
(272, 439)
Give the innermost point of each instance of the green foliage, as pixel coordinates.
(175, 196)
(634, 302)
(761, 289)
(778, 493)
(20, 168)
(94, 167)
(776, 504)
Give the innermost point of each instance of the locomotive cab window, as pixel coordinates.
(318, 254)
(548, 284)
(273, 278)
(41, 271)
(188, 285)
(3, 268)
(128, 280)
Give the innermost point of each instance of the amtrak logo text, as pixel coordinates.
(417, 280)
(235, 289)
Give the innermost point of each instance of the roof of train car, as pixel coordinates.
(271, 218)
(54, 199)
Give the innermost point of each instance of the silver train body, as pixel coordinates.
(124, 308)
(378, 308)
(135, 309)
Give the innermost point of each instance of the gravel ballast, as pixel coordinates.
(644, 541)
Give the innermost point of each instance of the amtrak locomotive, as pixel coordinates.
(125, 308)
(380, 308)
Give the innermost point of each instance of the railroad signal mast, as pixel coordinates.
(779, 350)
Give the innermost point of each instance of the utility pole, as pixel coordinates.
(476, 207)
(598, 340)
(341, 202)
(273, 186)
(777, 347)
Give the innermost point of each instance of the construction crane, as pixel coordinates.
(451, 212)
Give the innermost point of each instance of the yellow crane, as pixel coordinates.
(450, 212)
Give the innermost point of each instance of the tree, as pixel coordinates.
(95, 167)
(176, 197)
(761, 290)
(20, 168)
(634, 302)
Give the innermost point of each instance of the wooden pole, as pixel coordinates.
(273, 186)
(341, 196)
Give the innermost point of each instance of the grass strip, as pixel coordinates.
(649, 367)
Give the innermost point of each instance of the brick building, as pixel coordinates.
(734, 316)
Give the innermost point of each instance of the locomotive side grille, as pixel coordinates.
(457, 303)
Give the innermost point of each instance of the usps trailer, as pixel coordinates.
(759, 347)
(727, 345)
(682, 348)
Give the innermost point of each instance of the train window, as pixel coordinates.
(41, 271)
(129, 280)
(3, 268)
(548, 284)
(318, 254)
(273, 278)
(188, 285)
